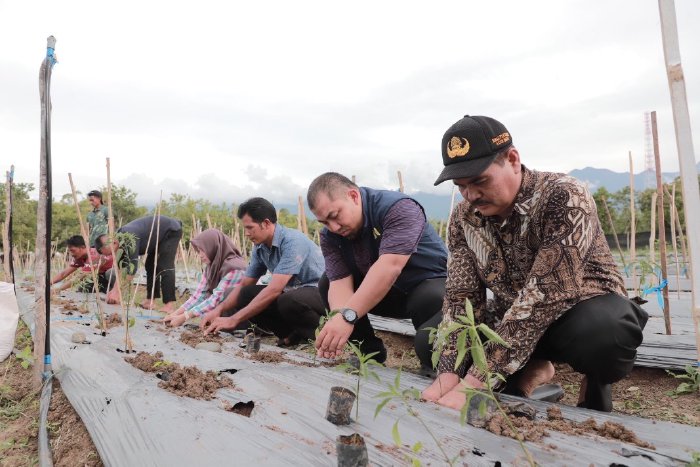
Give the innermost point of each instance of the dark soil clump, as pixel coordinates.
(113, 320)
(194, 338)
(268, 356)
(192, 382)
(528, 430)
(151, 363)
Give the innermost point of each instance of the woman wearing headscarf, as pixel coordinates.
(224, 269)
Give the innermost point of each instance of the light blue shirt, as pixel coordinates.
(291, 253)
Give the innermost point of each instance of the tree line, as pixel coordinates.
(223, 216)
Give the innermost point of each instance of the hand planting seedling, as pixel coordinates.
(469, 341)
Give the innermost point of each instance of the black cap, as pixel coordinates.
(95, 193)
(470, 145)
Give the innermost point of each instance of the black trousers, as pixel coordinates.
(422, 305)
(598, 338)
(164, 274)
(296, 313)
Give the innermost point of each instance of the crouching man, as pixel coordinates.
(532, 238)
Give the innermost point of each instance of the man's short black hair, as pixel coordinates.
(100, 242)
(76, 241)
(96, 194)
(328, 183)
(258, 209)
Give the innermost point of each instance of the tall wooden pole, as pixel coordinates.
(302, 217)
(662, 224)
(652, 228)
(633, 228)
(686, 153)
(401, 187)
(679, 229)
(6, 226)
(674, 243)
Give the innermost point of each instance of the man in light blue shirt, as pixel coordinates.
(289, 305)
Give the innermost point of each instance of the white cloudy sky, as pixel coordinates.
(224, 100)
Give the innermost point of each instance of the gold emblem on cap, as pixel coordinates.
(457, 147)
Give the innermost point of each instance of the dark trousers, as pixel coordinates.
(165, 269)
(598, 338)
(295, 314)
(422, 305)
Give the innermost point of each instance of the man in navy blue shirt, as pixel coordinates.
(382, 257)
(289, 305)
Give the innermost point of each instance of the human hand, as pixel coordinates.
(209, 317)
(113, 298)
(222, 324)
(457, 397)
(444, 383)
(333, 337)
(175, 319)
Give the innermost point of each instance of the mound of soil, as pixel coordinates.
(192, 382)
(528, 430)
(268, 356)
(113, 320)
(186, 381)
(151, 363)
(194, 338)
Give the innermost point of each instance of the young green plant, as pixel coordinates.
(469, 342)
(363, 370)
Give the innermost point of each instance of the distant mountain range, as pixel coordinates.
(614, 181)
(438, 206)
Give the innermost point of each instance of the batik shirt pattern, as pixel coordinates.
(546, 257)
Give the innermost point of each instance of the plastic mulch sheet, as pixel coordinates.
(132, 421)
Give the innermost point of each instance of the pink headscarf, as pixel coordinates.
(223, 255)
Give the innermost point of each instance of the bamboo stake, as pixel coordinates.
(6, 225)
(184, 260)
(449, 216)
(84, 231)
(686, 153)
(652, 229)
(401, 187)
(633, 229)
(208, 221)
(128, 344)
(354, 180)
(155, 258)
(674, 243)
(612, 227)
(302, 217)
(662, 224)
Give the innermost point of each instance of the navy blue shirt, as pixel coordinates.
(291, 253)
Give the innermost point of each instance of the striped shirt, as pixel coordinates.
(202, 301)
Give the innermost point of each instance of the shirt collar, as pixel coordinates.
(277, 236)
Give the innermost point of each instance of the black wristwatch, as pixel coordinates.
(349, 315)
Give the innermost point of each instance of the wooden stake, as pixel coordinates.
(449, 216)
(155, 258)
(652, 229)
(612, 227)
(184, 261)
(662, 224)
(633, 229)
(354, 180)
(84, 231)
(302, 217)
(401, 187)
(209, 226)
(686, 153)
(128, 345)
(6, 225)
(674, 243)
